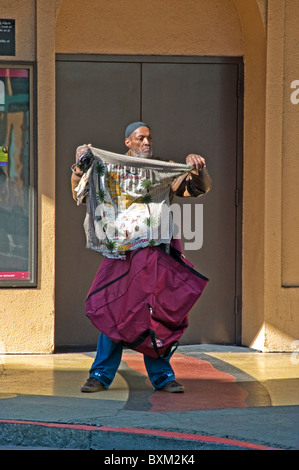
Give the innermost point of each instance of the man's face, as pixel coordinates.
(140, 142)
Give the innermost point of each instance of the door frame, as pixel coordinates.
(239, 62)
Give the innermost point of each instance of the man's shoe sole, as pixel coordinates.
(92, 387)
(91, 390)
(172, 388)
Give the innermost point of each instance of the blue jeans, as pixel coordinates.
(108, 358)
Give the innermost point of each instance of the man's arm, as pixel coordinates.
(74, 183)
(76, 172)
(194, 183)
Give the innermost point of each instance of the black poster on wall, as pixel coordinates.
(7, 37)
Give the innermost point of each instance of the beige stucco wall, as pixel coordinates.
(281, 179)
(290, 148)
(168, 27)
(265, 33)
(253, 23)
(27, 315)
(270, 216)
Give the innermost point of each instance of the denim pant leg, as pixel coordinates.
(107, 360)
(159, 371)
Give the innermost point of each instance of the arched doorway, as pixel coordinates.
(243, 36)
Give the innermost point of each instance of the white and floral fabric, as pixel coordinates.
(127, 202)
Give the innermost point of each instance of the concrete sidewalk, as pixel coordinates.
(235, 398)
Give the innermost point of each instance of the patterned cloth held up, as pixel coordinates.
(127, 202)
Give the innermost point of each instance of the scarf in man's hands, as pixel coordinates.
(127, 202)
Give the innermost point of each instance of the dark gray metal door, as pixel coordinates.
(192, 106)
(92, 107)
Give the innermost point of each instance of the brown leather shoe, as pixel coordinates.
(92, 385)
(172, 387)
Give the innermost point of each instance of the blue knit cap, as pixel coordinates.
(132, 127)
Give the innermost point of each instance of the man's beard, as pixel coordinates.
(142, 154)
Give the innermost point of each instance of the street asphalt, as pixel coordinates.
(235, 399)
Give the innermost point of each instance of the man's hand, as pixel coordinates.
(196, 161)
(81, 150)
